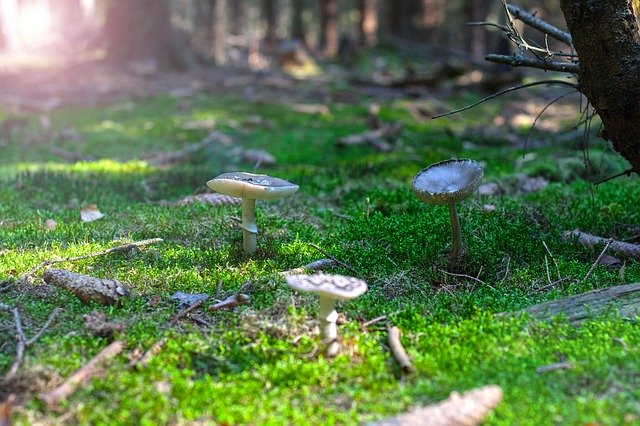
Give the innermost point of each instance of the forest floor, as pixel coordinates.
(98, 140)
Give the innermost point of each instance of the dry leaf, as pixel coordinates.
(50, 224)
(90, 213)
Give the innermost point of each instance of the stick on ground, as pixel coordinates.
(53, 398)
(398, 350)
(589, 240)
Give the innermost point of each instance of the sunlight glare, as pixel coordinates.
(34, 23)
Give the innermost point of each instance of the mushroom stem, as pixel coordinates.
(328, 317)
(456, 236)
(249, 227)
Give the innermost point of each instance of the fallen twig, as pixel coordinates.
(339, 262)
(564, 365)
(597, 261)
(231, 301)
(398, 350)
(53, 398)
(121, 248)
(372, 321)
(589, 240)
(467, 409)
(22, 342)
(144, 359)
(316, 265)
(186, 310)
(470, 277)
(165, 158)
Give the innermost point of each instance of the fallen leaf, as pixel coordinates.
(50, 224)
(90, 213)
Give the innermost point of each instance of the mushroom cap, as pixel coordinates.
(448, 181)
(251, 185)
(339, 287)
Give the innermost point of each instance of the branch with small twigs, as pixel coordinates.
(53, 398)
(517, 60)
(22, 342)
(540, 25)
(121, 248)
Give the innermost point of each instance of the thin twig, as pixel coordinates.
(398, 350)
(563, 365)
(53, 398)
(144, 359)
(231, 301)
(316, 265)
(553, 284)
(471, 277)
(44, 328)
(124, 247)
(373, 321)
(502, 92)
(186, 310)
(553, 259)
(339, 262)
(595, 263)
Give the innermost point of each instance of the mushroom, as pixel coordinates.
(448, 182)
(329, 289)
(251, 187)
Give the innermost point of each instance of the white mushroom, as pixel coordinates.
(329, 289)
(448, 182)
(251, 187)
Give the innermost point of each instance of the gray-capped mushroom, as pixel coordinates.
(251, 187)
(329, 289)
(448, 182)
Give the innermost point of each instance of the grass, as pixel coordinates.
(251, 365)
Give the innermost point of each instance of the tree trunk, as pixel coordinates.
(607, 41)
(141, 30)
(269, 11)
(297, 24)
(368, 24)
(66, 15)
(237, 17)
(477, 11)
(329, 28)
(220, 31)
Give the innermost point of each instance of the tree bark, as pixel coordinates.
(220, 31)
(297, 24)
(141, 30)
(607, 40)
(329, 28)
(237, 17)
(368, 23)
(270, 14)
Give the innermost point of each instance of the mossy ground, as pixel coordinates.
(251, 365)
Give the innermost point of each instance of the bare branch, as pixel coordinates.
(521, 61)
(540, 25)
(502, 92)
(589, 240)
(398, 350)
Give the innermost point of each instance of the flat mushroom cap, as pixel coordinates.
(448, 181)
(250, 185)
(338, 287)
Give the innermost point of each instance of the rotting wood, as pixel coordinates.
(467, 409)
(588, 240)
(120, 248)
(624, 298)
(87, 288)
(53, 398)
(398, 350)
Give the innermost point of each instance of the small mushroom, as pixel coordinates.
(251, 187)
(329, 289)
(448, 182)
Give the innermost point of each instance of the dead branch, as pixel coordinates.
(121, 248)
(144, 359)
(467, 409)
(87, 288)
(188, 309)
(316, 265)
(597, 261)
(22, 343)
(373, 137)
(53, 398)
(624, 298)
(588, 240)
(398, 350)
(518, 60)
(540, 25)
(166, 158)
(231, 301)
